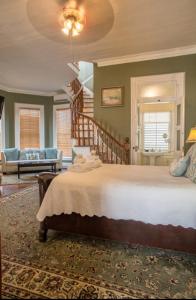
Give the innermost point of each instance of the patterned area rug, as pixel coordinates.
(23, 281)
(81, 267)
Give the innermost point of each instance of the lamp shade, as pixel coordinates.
(192, 136)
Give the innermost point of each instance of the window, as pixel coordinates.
(62, 129)
(29, 126)
(1, 138)
(2, 131)
(156, 131)
(2, 134)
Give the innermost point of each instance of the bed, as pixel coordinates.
(133, 204)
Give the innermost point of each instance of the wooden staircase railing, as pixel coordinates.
(89, 133)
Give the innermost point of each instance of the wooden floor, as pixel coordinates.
(9, 189)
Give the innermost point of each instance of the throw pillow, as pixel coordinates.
(11, 154)
(179, 167)
(42, 154)
(33, 156)
(23, 155)
(51, 153)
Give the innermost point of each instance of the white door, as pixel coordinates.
(157, 118)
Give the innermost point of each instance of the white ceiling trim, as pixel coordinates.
(26, 92)
(147, 56)
(61, 97)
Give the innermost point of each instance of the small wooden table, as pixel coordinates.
(37, 163)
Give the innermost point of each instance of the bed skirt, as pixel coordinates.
(127, 231)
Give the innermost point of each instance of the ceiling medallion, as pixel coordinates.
(73, 19)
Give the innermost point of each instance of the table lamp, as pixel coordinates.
(192, 136)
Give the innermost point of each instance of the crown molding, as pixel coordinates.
(26, 92)
(174, 52)
(72, 67)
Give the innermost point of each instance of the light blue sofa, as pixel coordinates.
(11, 156)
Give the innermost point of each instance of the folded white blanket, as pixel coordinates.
(85, 167)
(82, 164)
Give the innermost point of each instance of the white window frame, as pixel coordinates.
(3, 128)
(19, 106)
(179, 78)
(55, 107)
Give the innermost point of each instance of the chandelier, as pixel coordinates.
(73, 19)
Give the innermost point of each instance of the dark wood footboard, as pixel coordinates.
(44, 180)
(128, 231)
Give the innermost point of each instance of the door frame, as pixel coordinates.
(134, 83)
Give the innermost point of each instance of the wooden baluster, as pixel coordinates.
(116, 154)
(96, 137)
(82, 95)
(102, 146)
(75, 124)
(89, 133)
(111, 151)
(121, 160)
(93, 144)
(93, 134)
(79, 140)
(127, 150)
(107, 149)
(83, 131)
(97, 150)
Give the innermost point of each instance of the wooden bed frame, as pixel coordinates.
(128, 231)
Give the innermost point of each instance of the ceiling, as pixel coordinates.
(34, 52)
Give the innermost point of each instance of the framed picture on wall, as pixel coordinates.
(112, 97)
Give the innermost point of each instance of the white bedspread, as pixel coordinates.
(141, 193)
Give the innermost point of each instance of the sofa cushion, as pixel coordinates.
(51, 153)
(11, 154)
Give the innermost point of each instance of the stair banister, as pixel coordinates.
(107, 146)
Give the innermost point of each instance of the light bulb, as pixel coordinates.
(68, 24)
(74, 32)
(79, 26)
(65, 30)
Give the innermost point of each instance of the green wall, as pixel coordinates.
(11, 99)
(119, 118)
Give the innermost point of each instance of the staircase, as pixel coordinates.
(87, 132)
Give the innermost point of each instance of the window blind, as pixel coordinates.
(63, 131)
(29, 128)
(156, 131)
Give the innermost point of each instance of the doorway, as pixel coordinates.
(157, 118)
